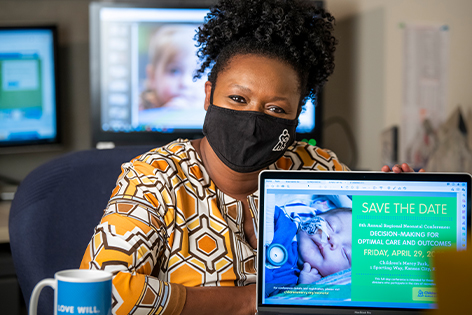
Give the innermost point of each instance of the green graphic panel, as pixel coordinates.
(395, 240)
(21, 83)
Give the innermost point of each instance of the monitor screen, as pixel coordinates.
(143, 60)
(28, 109)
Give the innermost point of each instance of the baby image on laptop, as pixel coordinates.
(310, 241)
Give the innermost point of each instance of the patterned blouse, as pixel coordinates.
(167, 226)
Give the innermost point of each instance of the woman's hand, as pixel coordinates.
(308, 275)
(397, 168)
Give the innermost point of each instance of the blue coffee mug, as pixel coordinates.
(77, 291)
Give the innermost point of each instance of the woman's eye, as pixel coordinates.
(237, 99)
(276, 109)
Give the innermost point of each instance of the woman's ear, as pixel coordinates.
(207, 94)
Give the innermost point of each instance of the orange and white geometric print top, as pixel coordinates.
(167, 226)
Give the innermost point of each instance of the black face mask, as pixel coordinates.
(247, 141)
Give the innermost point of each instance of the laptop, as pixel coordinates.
(356, 242)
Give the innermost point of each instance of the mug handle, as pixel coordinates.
(33, 307)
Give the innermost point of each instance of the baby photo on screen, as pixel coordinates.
(167, 64)
(309, 246)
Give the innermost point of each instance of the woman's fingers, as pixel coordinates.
(399, 168)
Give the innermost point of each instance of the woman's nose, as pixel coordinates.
(256, 106)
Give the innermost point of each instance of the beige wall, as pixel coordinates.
(374, 83)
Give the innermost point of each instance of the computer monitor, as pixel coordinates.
(28, 93)
(143, 60)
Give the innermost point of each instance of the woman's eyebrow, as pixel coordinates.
(242, 87)
(279, 98)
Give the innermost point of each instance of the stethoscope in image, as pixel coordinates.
(277, 254)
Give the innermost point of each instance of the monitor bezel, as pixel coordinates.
(41, 145)
(101, 138)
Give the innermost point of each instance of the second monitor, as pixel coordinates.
(142, 64)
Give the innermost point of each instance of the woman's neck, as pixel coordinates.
(234, 184)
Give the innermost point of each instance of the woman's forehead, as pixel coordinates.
(255, 59)
(254, 69)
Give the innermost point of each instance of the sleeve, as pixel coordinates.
(129, 241)
(330, 155)
(304, 156)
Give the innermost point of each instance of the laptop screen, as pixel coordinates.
(356, 241)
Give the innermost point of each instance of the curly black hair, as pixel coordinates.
(297, 32)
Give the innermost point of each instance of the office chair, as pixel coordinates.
(54, 212)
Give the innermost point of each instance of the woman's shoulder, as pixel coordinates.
(302, 155)
(176, 147)
(165, 159)
(315, 151)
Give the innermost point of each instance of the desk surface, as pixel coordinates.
(4, 212)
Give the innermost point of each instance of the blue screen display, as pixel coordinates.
(27, 86)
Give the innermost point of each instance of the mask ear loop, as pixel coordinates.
(211, 93)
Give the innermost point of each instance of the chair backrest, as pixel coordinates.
(55, 210)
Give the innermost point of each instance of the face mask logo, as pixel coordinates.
(283, 141)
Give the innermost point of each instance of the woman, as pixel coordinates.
(179, 232)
